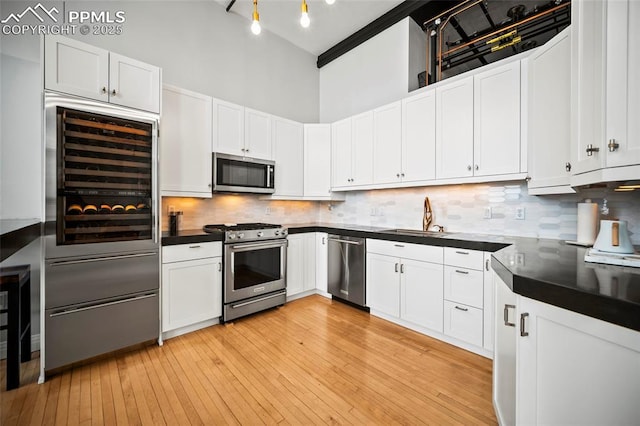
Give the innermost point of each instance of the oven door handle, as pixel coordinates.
(266, 244)
(240, 305)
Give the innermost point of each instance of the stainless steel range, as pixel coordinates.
(255, 264)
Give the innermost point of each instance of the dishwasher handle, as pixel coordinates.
(338, 240)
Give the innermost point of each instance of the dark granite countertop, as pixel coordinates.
(549, 271)
(16, 234)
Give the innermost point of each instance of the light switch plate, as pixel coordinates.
(487, 212)
(520, 213)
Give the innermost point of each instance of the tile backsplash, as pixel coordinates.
(459, 208)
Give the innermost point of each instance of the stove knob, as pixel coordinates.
(284, 232)
(241, 235)
(232, 236)
(277, 232)
(260, 234)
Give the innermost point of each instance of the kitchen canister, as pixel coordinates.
(587, 222)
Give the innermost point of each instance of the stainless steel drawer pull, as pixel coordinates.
(198, 246)
(462, 252)
(240, 305)
(396, 267)
(523, 333)
(102, 305)
(355, 243)
(506, 315)
(102, 259)
(462, 309)
(402, 268)
(462, 272)
(219, 266)
(486, 264)
(398, 245)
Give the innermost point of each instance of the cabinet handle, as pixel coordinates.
(477, 167)
(104, 90)
(397, 175)
(591, 150)
(613, 145)
(506, 315)
(209, 185)
(469, 167)
(219, 266)
(323, 240)
(567, 166)
(523, 333)
(462, 272)
(113, 92)
(198, 246)
(462, 252)
(242, 149)
(401, 174)
(398, 245)
(402, 268)
(462, 309)
(396, 267)
(486, 264)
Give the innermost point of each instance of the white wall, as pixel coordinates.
(370, 75)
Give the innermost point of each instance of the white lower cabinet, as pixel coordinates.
(562, 367)
(301, 263)
(383, 284)
(421, 293)
(191, 284)
(322, 262)
(463, 322)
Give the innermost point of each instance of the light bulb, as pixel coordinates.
(330, 1)
(255, 27)
(304, 20)
(304, 17)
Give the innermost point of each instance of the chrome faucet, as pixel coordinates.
(440, 228)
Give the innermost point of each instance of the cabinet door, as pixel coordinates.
(549, 97)
(496, 143)
(362, 149)
(317, 160)
(295, 264)
(504, 354)
(228, 128)
(309, 253)
(322, 261)
(387, 136)
(133, 83)
(623, 85)
(421, 293)
(454, 129)
(185, 143)
(419, 137)
(463, 322)
(341, 153)
(191, 292)
(573, 369)
(588, 62)
(289, 155)
(77, 68)
(383, 284)
(257, 134)
(488, 305)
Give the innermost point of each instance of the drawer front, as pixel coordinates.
(88, 331)
(464, 258)
(463, 322)
(406, 250)
(191, 251)
(463, 285)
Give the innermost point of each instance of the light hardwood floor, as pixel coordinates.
(313, 361)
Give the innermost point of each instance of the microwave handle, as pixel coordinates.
(269, 171)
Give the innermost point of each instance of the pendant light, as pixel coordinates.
(304, 17)
(330, 2)
(255, 25)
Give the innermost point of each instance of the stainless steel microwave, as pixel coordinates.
(232, 173)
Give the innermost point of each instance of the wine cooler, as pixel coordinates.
(102, 262)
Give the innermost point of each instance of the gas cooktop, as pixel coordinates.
(247, 231)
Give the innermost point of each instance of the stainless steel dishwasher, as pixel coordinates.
(347, 268)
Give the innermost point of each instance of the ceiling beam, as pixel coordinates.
(393, 16)
(230, 5)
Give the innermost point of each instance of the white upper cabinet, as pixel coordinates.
(454, 129)
(81, 69)
(419, 137)
(549, 109)
(623, 86)
(341, 175)
(496, 143)
(228, 128)
(257, 134)
(133, 83)
(288, 153)
(317, 160)
(362, 149)
(185, 143)
(387, 136)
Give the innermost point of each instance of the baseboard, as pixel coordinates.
(189, 328)
(35, 346)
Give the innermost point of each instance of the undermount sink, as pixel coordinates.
(418, 232)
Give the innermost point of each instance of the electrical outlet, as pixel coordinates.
(520, 259)
(520, 213)
(373, 211)
(267, 210)
(487, 212)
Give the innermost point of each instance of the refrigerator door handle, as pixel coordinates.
(101, 259)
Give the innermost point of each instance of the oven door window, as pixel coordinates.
(241, 173)
(255, 267)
